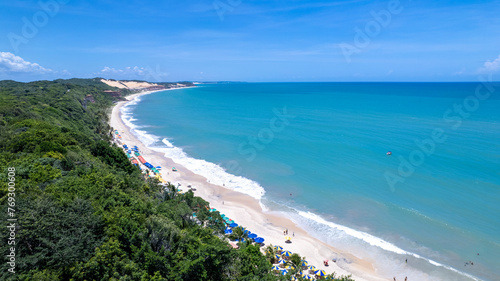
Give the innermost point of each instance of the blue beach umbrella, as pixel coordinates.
(233, 224)
(259, 240)
(228, 231)
(284, 272)
(252, 236)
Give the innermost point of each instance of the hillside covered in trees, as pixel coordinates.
(84, 212)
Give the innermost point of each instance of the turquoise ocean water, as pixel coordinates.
(318, 153)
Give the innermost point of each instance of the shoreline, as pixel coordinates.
(246, 210)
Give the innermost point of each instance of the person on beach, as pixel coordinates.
(406, 278)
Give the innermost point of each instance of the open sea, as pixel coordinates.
(318, 152)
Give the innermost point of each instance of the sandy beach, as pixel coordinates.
(247, 211)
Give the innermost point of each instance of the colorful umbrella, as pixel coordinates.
(259, 240)
(293, 278)
(276, 268)
(287, 253)
(282, 262)
(277, 257)
(213, 210)
(288, 238)
(252, 236)
(228, 231)
(284, 272)
(306, 277)
(278, 248)
(320, 273)
(312, 268)
(290, 267)
(304, 263)
(233, 224)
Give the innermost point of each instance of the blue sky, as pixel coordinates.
(243, 40)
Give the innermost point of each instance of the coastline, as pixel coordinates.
(245, 209)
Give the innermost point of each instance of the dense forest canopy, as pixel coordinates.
(84, 212)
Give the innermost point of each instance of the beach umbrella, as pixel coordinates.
(287, 254)
(293, 278)
(320, 273)
(312, 268)
(278, 248)
(233, 224)
(288, 238)
(252, 236)
(259, 240)
(282, 262)
(290, 267)
(277, 257)
(276, 268)
(228, 231)
(306, 277)
(284, 272)
(304, 263)
(213, 210)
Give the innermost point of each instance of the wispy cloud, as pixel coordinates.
(491, 66)
(136, 72)
(10, 63)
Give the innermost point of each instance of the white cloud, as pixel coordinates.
(141, 73)
(11, 63)
(491, 66)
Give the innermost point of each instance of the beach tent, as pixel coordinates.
(141, 159)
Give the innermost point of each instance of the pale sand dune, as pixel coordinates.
(247, 211)
(128, 84)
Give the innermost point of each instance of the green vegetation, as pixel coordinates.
(85, 213)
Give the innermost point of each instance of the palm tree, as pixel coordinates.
(238, 234)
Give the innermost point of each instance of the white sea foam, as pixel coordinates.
(214, 173)
(375, 241)
(167, 143)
